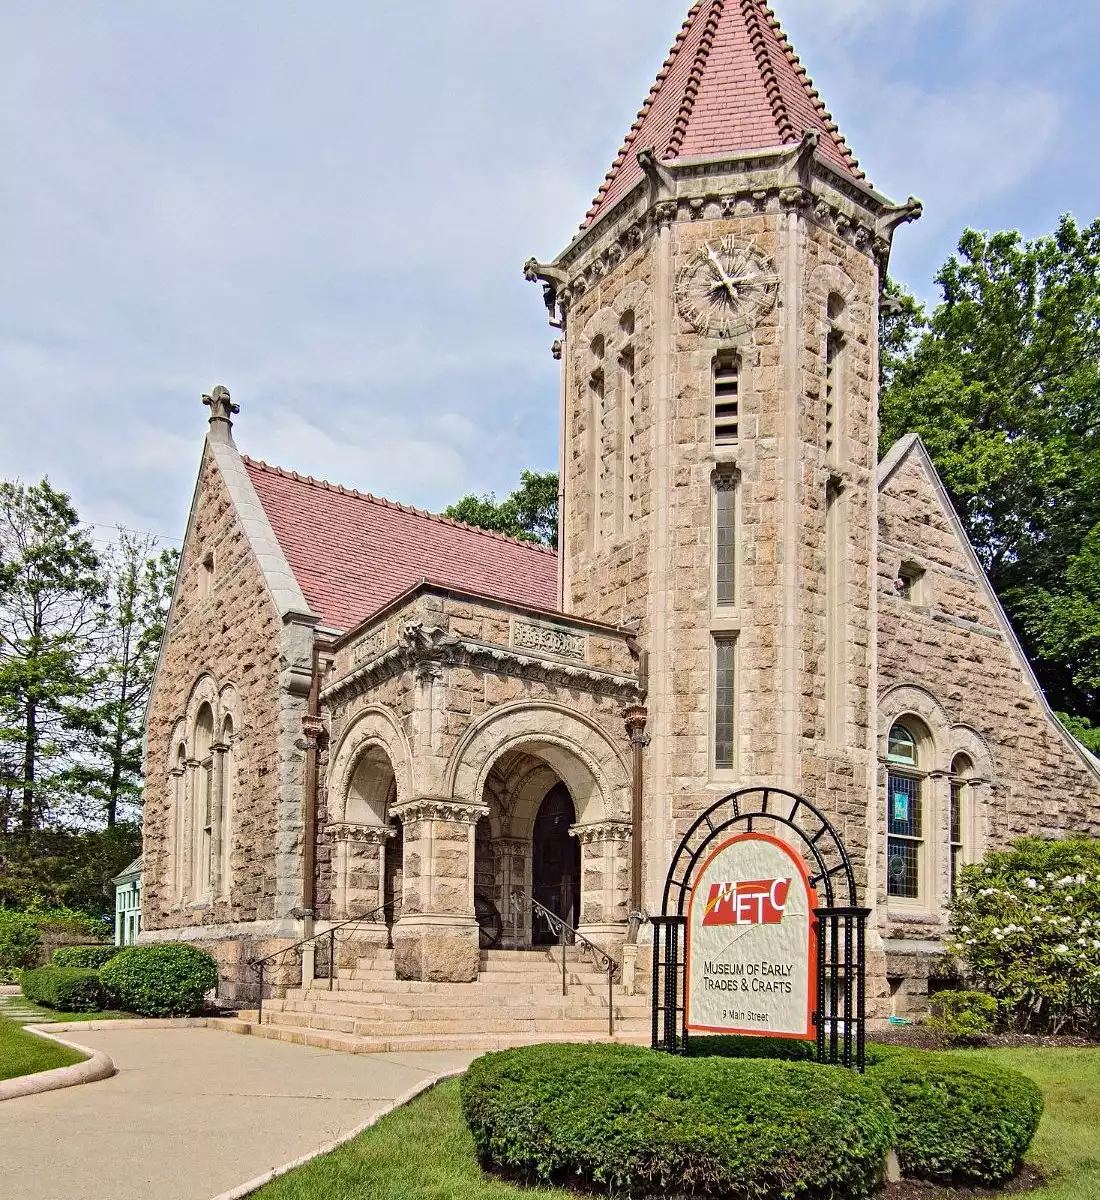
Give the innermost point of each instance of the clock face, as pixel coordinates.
(726, 288)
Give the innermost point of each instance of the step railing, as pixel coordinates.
(327, 937)
(522, 903)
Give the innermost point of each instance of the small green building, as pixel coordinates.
(128, 904)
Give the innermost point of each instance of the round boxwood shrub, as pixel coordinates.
(68, 989)
(166, 980)
(624, 1119)
(90, 958)
(962, 1121)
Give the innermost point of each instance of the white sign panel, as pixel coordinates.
(751, 941)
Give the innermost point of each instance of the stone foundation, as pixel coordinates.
(443, 951)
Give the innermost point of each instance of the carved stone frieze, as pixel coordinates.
(370, 835)
(369, 646)
(561, 642)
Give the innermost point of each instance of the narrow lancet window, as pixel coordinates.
(725, 541)
(628, 432)
(596, 397)
(727, 396)
(725, 713)
(835, 640)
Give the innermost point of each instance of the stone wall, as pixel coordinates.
(224, 640)
(945, 658)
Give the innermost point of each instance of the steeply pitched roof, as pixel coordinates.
(732, 82)
(352, 553)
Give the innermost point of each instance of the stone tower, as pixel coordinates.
(719, 315)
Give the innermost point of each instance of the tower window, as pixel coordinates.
(596, 391)
(727, 395)
(206, 574)
(908, 584)
(725, 713)
(961, 770)
(833, 349)
(725, 540)
(628, 481)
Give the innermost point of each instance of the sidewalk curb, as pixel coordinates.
(254, 1185)
(97, 1066)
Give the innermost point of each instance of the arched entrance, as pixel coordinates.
(555, 862)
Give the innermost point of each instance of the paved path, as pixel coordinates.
(193, 1113)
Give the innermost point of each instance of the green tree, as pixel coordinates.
(529, 513)
(51, 602)
(138, 581)
(1003, 385)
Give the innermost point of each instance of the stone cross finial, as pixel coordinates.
(222, 412)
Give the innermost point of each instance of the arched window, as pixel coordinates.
(203, 823)
(726, 382)
(962, 770)
(904, 813)
(835, 346)
(225, 809)
(178, 775)
(597, 398)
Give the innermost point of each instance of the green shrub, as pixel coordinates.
(620, 1118)
(1026, 923)
(963, 1016)
(88, 957)
(68, 989)
(734, 1046)
(166, 980)
(967, 1122)
(19, 939)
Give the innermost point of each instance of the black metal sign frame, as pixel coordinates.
(840, 1011)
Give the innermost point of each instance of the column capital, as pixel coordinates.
(602, 831)
(372, 835)
(439, 808)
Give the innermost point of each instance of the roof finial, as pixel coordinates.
(222, 411)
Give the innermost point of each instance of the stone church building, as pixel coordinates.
(362, 708)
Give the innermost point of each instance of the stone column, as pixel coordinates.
(511, 866)
(217, 815)
(436, 937)
(359, 878)
(605, 881)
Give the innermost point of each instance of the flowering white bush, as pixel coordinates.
(1026, 924)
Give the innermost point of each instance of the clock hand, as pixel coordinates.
(723, 278)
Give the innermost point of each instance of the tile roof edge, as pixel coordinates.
(427, 584)
(340, 490)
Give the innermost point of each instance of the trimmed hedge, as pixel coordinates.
(90, 958)
(734, 1046)
(68, 989)
(166, 980)
(962, 1121)
(621, 1118)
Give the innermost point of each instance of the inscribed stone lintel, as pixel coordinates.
(526, 635)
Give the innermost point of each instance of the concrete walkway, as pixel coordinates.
(193, 1113)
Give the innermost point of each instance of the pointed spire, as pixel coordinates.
(732, 82)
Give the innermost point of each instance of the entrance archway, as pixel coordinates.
(555, 862)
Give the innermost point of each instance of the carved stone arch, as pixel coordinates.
(375, 728)
(827, 280)
(965, 739)
(911, 699)
(603, 323)
(635, 297)
(528, 794)
(229, 706)
(177, 741)
(203, 691)
(578, 751)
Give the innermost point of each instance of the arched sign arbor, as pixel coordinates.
(760, 931)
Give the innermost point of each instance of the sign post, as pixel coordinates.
(751, 954)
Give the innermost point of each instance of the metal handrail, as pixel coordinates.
(260, 964)
(561, 928)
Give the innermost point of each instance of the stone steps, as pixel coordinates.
(433, 1004)
(350, 1044)
(409, 1024)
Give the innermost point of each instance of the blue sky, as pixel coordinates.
(326, 206)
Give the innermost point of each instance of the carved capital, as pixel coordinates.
(635, 718)
(664, 212)
(602, 832)
(367, 835)
(434, 808)
(509, 847)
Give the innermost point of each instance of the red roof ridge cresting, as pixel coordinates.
(412, 510)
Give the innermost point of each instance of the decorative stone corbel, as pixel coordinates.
(553, 281)
(897, 214)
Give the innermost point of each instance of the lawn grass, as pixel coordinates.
(23, 1053)
(424, 1150)
(1067, 1146)
(44, 1016)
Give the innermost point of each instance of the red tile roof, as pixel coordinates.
(731, 82)
(353, 553)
